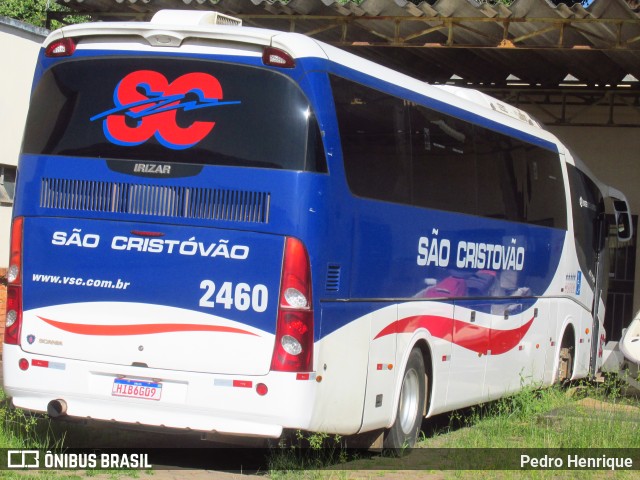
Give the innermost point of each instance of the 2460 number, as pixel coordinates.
(240, 296)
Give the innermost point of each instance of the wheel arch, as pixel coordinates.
(568, 340)
(427, 358)
(421, 341)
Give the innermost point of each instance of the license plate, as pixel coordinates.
(136, 389)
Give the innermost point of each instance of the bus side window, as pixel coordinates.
(375, 141)
(546, 198)
(398, 151)
(444, 163)
(500, 180)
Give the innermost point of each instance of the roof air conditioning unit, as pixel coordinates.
(194, 18)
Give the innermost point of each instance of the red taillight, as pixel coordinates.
(293, 350)
(14, 274)
(63, 47)
(14, 287)
(14, 315)
(274, 57)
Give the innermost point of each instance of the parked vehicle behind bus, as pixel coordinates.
(239, 232)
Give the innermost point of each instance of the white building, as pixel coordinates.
(20, 43)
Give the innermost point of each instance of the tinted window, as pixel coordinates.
(444, 169)
(174, 110)
(374, 130)
(544, 194)
(398, 151)
(501, 171)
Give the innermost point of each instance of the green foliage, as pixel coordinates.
(305, 454)
(587, 416)
(35, 12)
(30, 12)
(22, 430)
(509, 2)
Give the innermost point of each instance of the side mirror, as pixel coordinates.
(624, 225)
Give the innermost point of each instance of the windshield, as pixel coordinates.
(173, 110)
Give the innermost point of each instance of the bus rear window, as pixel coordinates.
(173, 110)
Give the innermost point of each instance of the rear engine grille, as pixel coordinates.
(155, 200)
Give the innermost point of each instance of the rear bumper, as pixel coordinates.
(222, 404)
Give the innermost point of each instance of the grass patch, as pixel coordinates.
(595, 415)
(23, 430)
(20, 430)
(584, 416)
(304, 456)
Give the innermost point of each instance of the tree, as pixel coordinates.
(35, 12)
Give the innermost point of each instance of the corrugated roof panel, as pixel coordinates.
(535, 40)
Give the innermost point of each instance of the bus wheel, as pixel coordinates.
(404, 431)
(565, 364)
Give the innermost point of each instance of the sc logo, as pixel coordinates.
(150, 102)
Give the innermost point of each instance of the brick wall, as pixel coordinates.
(3, 300)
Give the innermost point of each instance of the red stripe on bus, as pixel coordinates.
(141, 329)
(472, 337)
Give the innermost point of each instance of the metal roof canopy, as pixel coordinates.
(561, 63)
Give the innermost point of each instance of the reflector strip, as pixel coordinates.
(382, 366)
(242, 383)
(223, 382)
(47, 364)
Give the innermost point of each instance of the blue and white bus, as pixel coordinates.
(240, 232)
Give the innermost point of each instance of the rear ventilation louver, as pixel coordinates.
(333, 278)
(155, 200)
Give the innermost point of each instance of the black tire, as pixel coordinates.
(403, 433)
